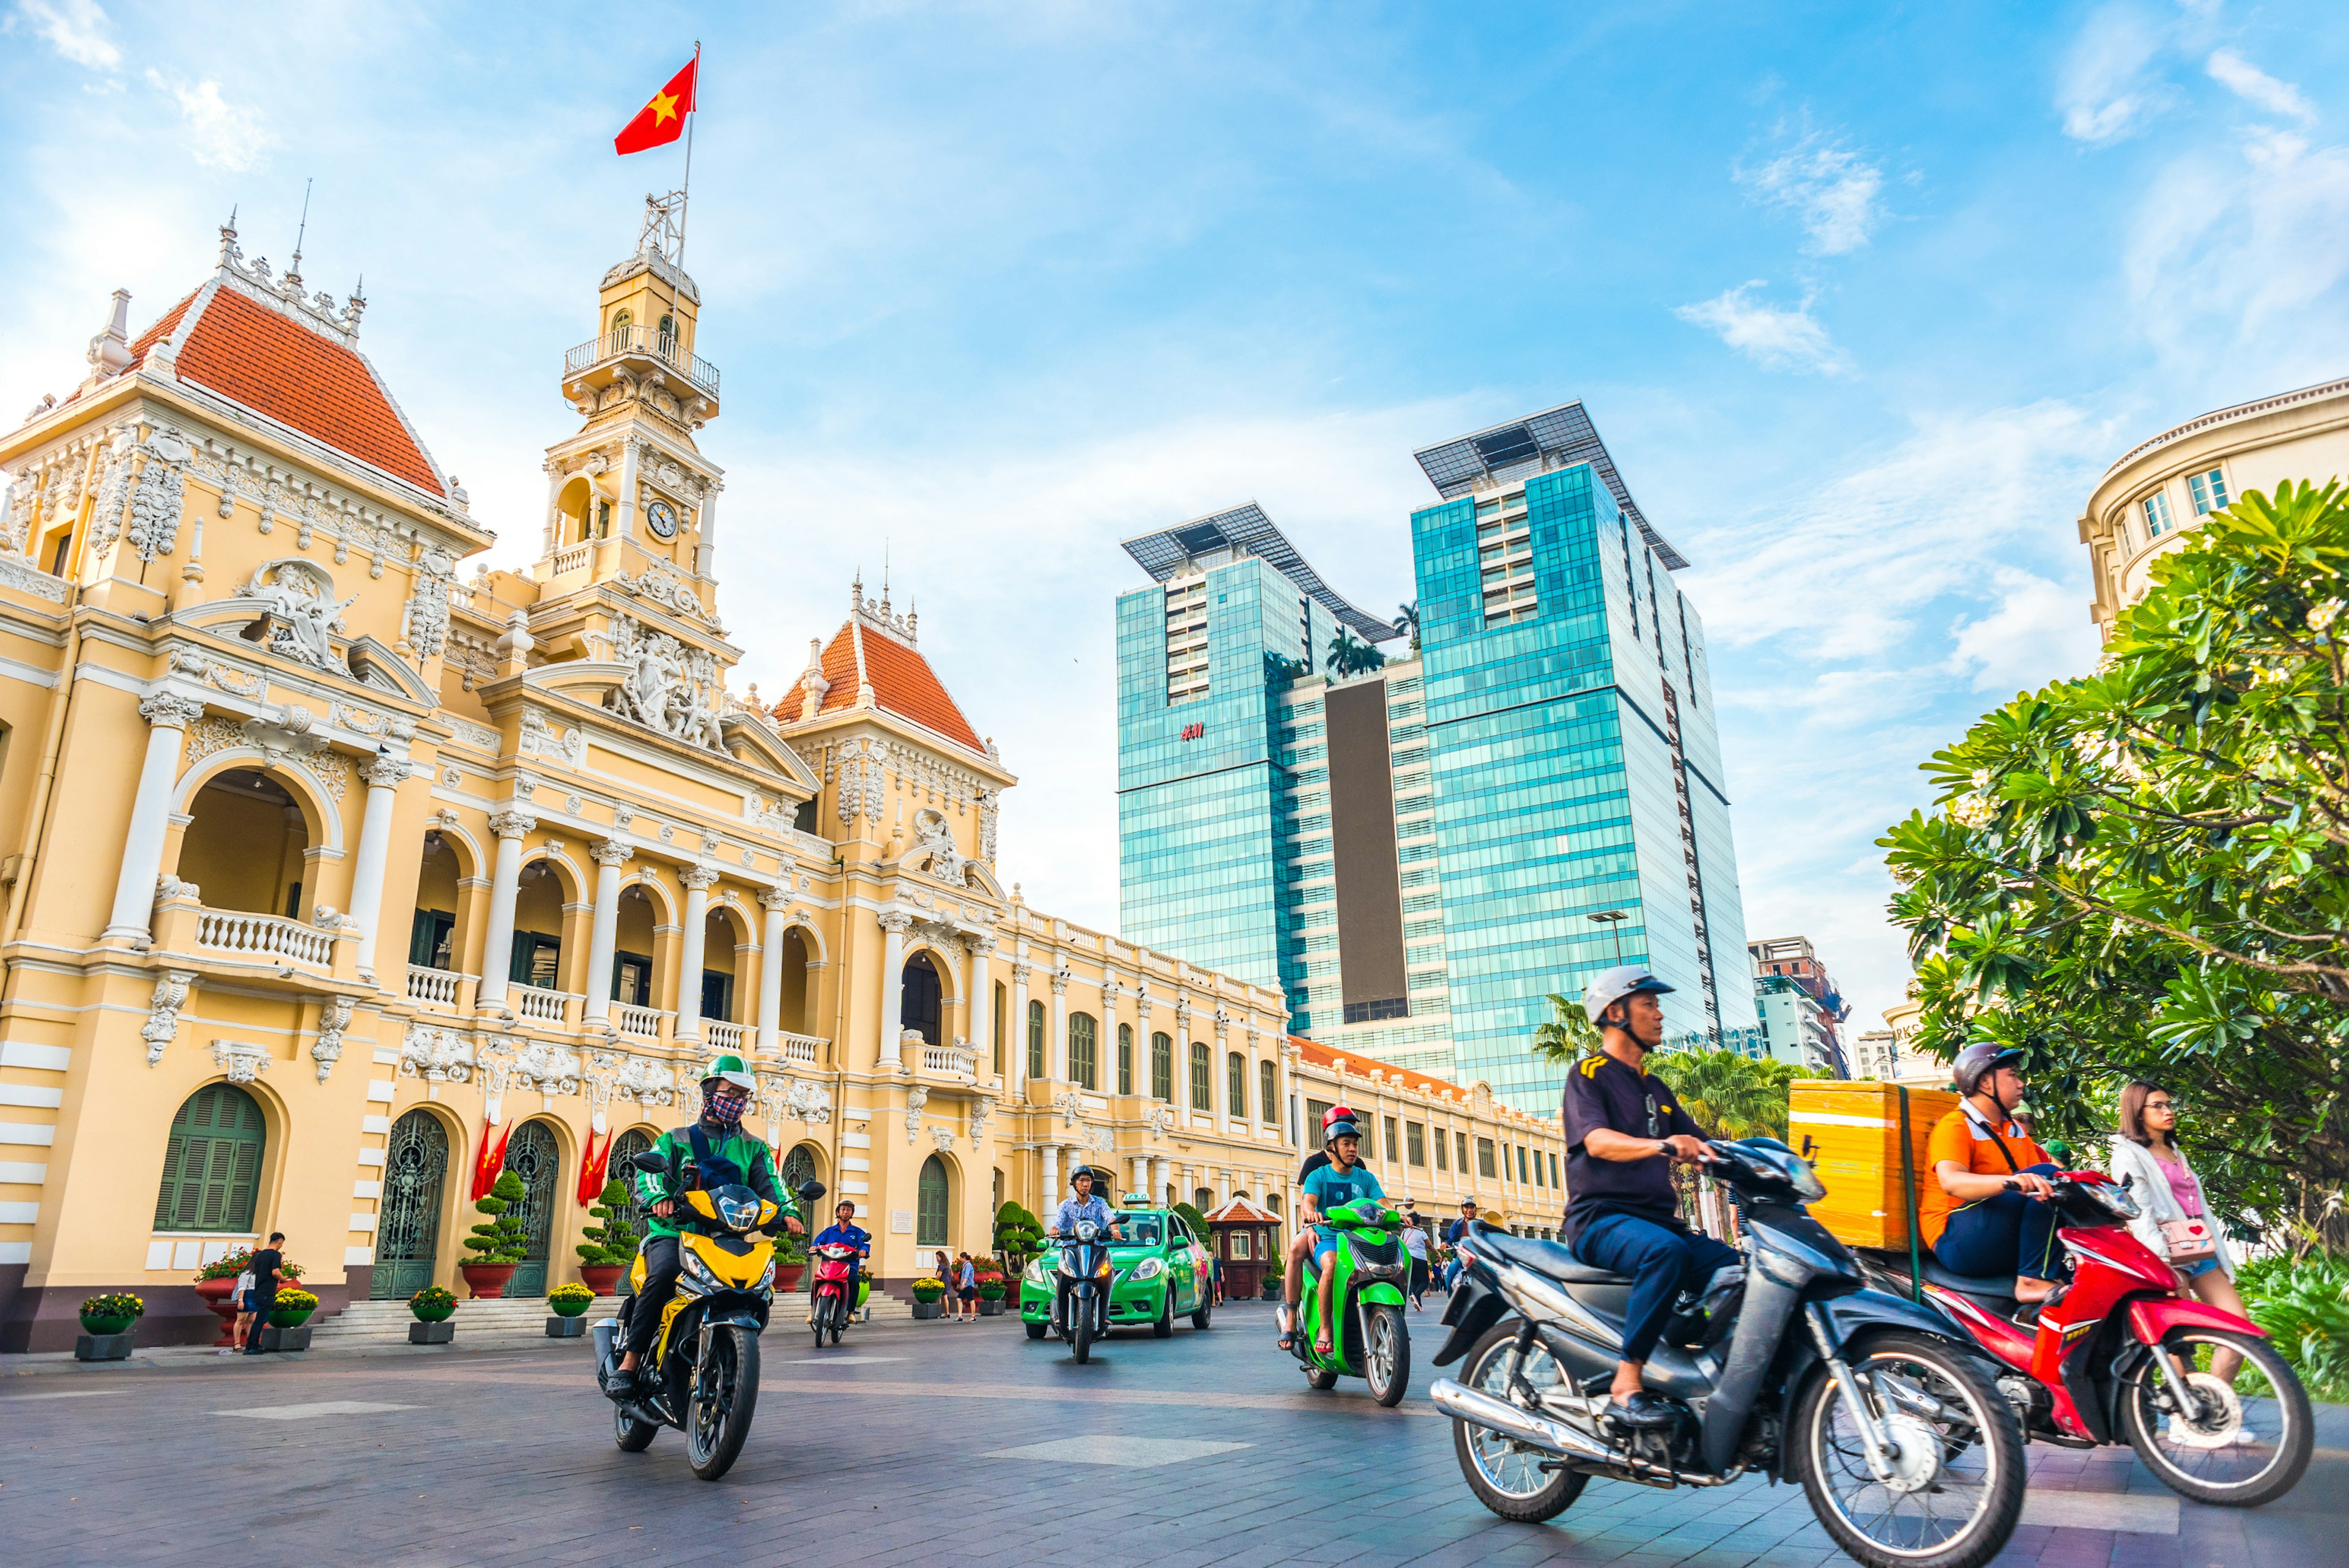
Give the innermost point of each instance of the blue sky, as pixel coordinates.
(1862, 297)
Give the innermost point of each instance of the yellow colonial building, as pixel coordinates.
(330, 866)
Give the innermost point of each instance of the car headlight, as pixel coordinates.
(1150, 1269)
(1034, 1273)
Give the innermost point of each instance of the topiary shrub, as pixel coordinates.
(614, 1240)
(503, 1238)
(1019, 1236)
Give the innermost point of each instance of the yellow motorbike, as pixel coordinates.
(701, 1375)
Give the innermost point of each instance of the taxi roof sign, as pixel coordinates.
(1134, 1200)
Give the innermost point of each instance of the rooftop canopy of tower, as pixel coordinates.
(1555, 438)
(1247, 531)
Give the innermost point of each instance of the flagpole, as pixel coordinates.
(685, 209)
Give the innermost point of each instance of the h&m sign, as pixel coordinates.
(1193, 732)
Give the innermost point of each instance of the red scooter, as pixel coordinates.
(829, 1309)
(2121, 1355)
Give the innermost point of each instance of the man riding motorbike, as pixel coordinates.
(844, 1231)
(712, 1152)
(1301, 1246)
(1984, 1210)
(1340, 1182)
(1085, 1204)
(1623, 1131)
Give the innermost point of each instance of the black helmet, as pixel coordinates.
(1337, 1130)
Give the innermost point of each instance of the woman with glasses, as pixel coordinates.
(2167, 1192)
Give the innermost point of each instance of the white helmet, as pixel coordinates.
(1609, 986)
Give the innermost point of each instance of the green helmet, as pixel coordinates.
(734, 1070)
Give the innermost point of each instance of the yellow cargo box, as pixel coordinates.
(1850, 1132)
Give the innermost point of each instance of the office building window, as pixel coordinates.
(1484, 1165)
(1083, 1037)
(1390, 1147)
(2157, 521)
(2210, 490)
(1462, 1145)
(1522, 1179)
(1443, 1150)
(1314, 1111)
(1554, 1181)
(1236, 1085)
(1415, 1142)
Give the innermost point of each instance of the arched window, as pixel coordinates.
(1161, 1067)
(930, 1204)
(1236, 1085)
(1125, 1058)
(1268, 1085)
(669, 335)
(1082, 1041)
(798, 1171)
(621, 322)
(1203, 1077)
(1035, 1039)
(1275, 1200)
(624, 1148)
(407, 1223)
(1203, 1199)
(921, 1003)
(211, 1163)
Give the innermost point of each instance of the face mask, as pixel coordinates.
(726, 1107)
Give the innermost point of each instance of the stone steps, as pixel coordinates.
(524, 1320)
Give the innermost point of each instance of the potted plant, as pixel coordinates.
(790, 1262)
(568, 1302)
(112, 1312)
(431, 1306)
(293, 1309)
(990, 1292)
(216, 1288)
(1019, 1236)
(611, 1246)
(926, 1292)
(497, 1243)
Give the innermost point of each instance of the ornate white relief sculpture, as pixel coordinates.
(436, 1055)
(241, 1060)
(795, 1098)
(986, 813)
(1160, 1117)
(424, 623)
(538, 738)
(163, 1024)
(333, 1019)
(301, 612)
(933, 848)
(665, 586)
(1067, 1103)
(153, 528)
(943, 1137)
(915, 1098)
(669, 686)
(981, 1109)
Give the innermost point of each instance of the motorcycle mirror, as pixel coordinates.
(650, 1164)
(808, 1191)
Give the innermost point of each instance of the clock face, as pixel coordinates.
(661, 518)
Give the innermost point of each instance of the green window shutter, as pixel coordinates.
(1035, 1039)
(211, 1164)
(420, 938)
(525, 951)
(167, 1200)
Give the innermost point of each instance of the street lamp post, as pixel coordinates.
(1613, 921)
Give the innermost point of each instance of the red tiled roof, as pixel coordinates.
(903, 683)
(1240, 1211)
(1321, 1055)
(276, 367)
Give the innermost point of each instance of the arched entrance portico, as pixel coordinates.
(534, 1156)
(408, 1233)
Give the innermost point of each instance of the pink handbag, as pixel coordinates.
(2189, 1240)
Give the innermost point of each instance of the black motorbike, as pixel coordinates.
(1885, 1412)
(1081, 1285)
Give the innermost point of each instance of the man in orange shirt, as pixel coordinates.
(1985, 1213)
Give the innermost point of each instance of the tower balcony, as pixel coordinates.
(639, 351)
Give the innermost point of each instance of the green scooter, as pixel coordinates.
(1366, 1289)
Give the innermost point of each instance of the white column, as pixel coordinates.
(1141, 1173)
(1158, 1183)
(383, 777)
(551, 531)
(894, 926)
(981, 1012)
(168, 718)
(1051, 1153)
(603, 933)
(775, 901)
(1056, 1043)
(698, 881)
(1016, 1035)
(505, 880)
(708, 533)
(627, 528)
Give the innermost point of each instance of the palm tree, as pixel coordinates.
(1568, 1037)
(1407, 617)
(1350, 655)
(1734, 1094)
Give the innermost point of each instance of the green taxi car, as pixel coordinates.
(1162, 1271)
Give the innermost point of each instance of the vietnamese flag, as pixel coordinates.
(662, 119)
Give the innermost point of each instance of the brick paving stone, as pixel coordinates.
(506, 1462)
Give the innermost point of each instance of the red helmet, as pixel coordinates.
(1336, 1114)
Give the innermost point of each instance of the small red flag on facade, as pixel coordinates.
(662, 119)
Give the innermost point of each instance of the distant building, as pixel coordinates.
(1802, 1010)
(2146, 502)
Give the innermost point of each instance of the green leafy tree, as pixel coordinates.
(503, 1238)
(1350, 655)
(1197, 1220)
(1569, 1035)
(1735, 1094)
(1019, 1236)
(2145, 872)
(1407, 617)
(615, 1240)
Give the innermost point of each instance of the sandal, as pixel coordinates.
(1280, 1315)
(1323, 1346)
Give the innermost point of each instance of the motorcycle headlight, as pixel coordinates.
(1150, 1269)
(696, 1270)
(768, 1279)
(1102, 1272)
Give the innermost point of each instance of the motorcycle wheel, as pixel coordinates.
(1321, 1378)
(2249, 1451)
(631, 1432)
(1386, 1356)
(1506, 1476)
(1035, 1331)
(1082, 1341)
(835, 1331)
(1163, 1326)
(725, 1395)
(819, 1319)
(1956, 1514)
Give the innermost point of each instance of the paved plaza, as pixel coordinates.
(931, 1443)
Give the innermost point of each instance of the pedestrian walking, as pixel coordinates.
(243, 1295)
(2171, 1219)
(1452, 1235)
(1414, 1241)
(967, 1288)
(266, 1264)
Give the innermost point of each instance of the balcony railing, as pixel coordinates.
(434, 987)
(949, 1059)
(807, 1048)
(725, 1036)
(543, 1006)
(643, 1023)
(645, 340)
(263, 935)
(574, 557)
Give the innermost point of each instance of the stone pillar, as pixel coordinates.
(168, 718)
(775, 901)
(1056, 1043)
(553, 531)
(1141, 1173)
(698, 881)
(894, 926)
(981, 1012)
(505, 878)
(383, 779)
(629, 447)
(604, 935)
(1158, 1182)
(1016, 1035)
(706, 564)
(1050, 1155)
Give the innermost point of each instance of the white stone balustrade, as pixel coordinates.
(725, 1036)
(807, 1048)
(642, 1023)
(540, 1005)
(949, 1059)
(263, 935)
(434, 987)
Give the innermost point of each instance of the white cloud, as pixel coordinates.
(2106, 90)
(1832, 189)
(2252, 84)
(76, 29)
(2038, 628)
(1771, 336)
(221, 135)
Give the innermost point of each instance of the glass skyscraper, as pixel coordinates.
(1417, 853)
